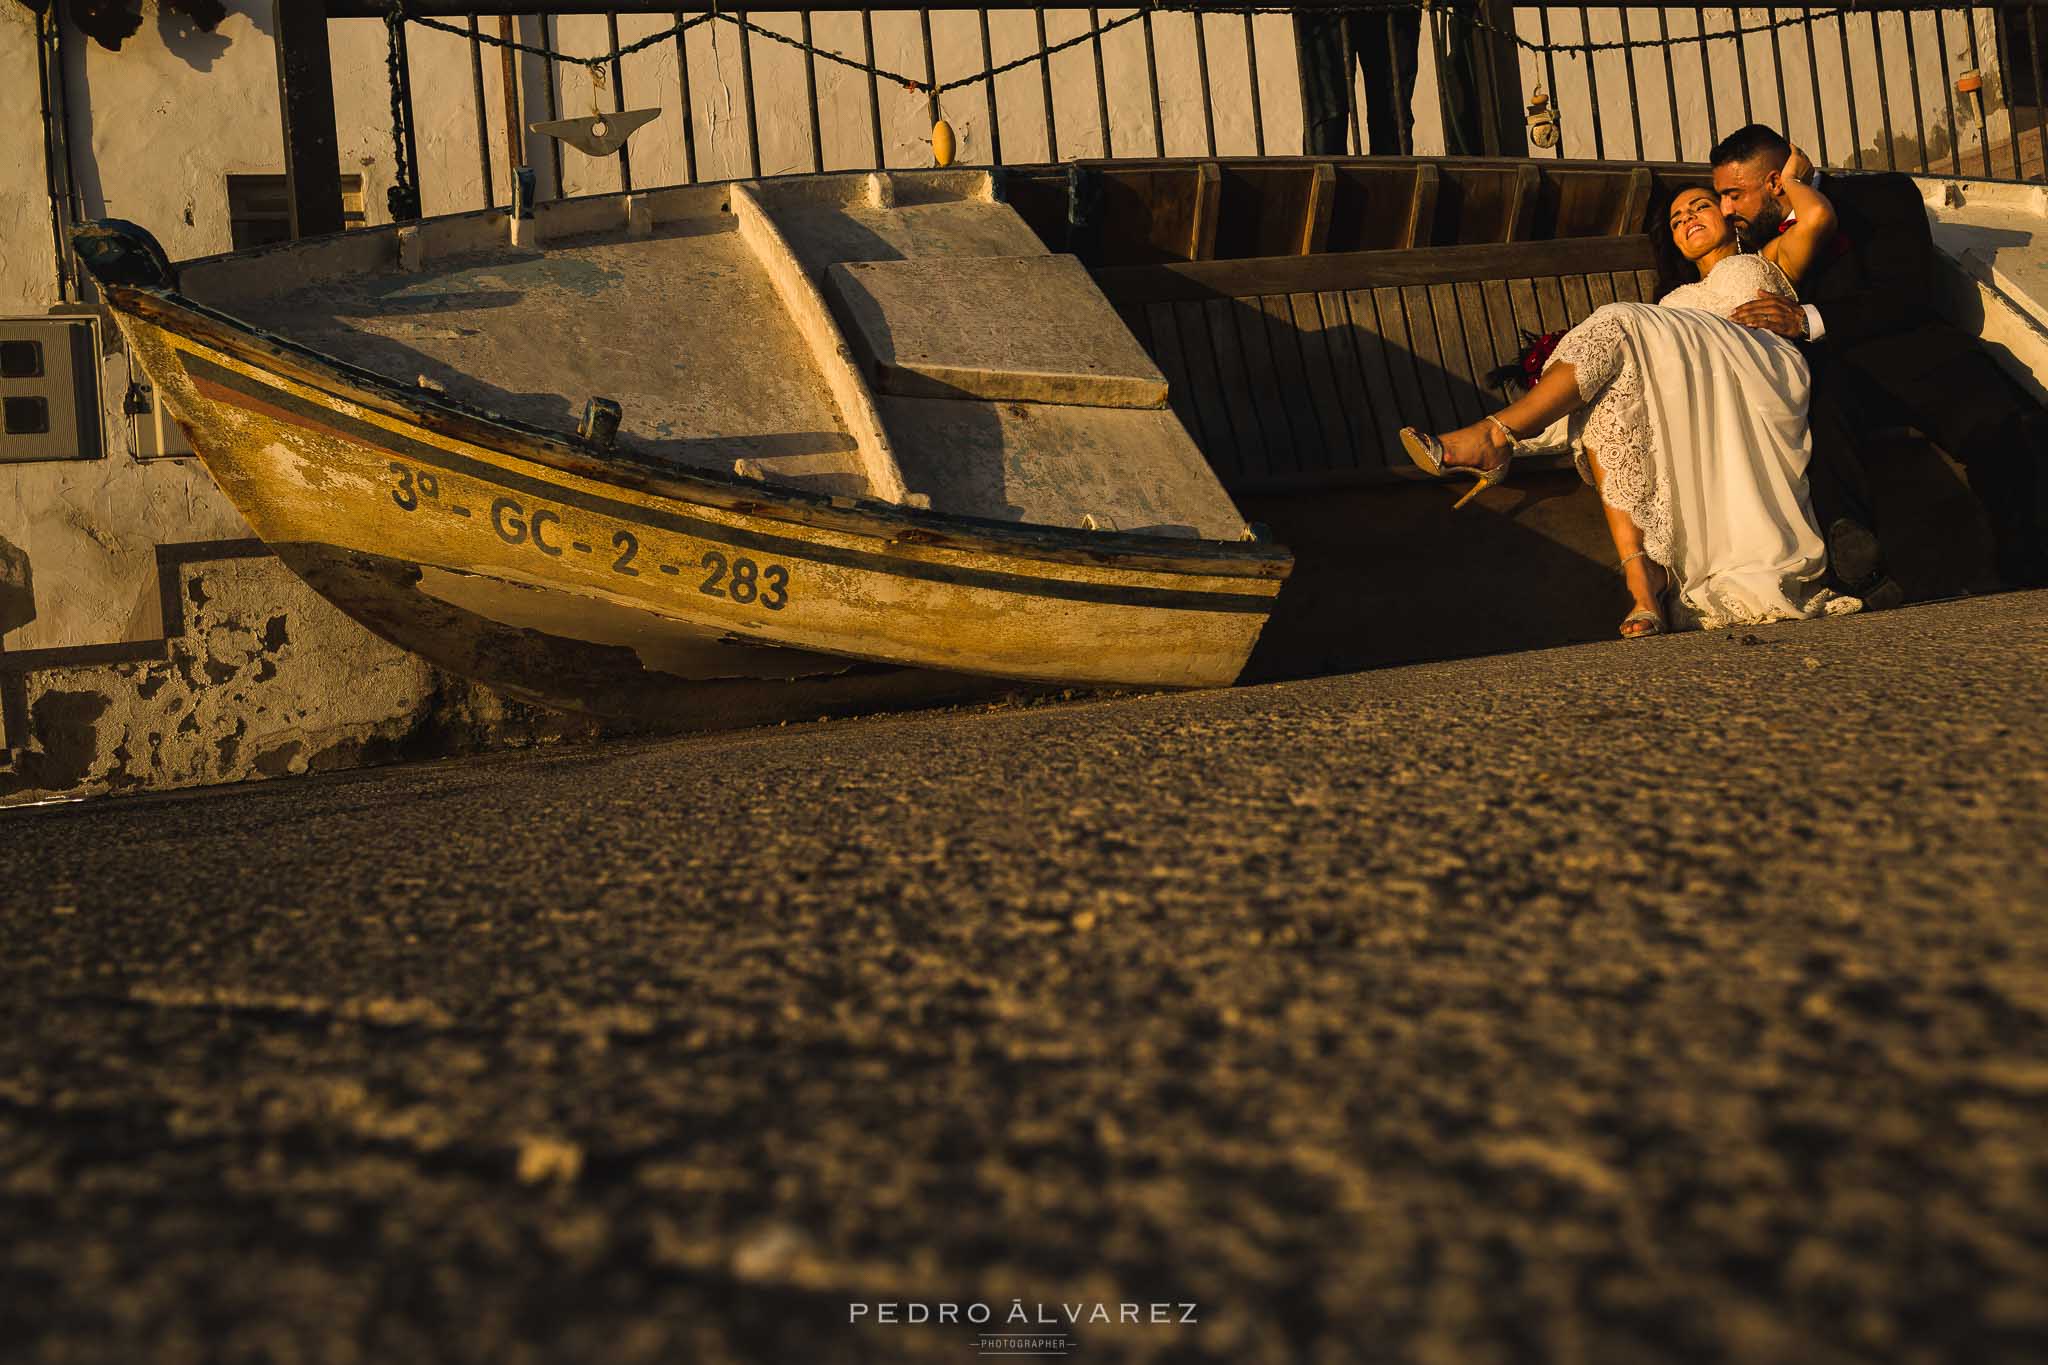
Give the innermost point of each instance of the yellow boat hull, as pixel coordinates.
(516, 558)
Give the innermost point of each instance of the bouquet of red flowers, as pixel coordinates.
(1529, 368)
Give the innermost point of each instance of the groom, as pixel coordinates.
(1869, 330)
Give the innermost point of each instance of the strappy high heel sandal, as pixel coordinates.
(1651, 618)
(1428, 454)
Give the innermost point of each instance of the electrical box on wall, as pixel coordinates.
(153, 434)
(49, 390)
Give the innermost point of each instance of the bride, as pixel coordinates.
(1693, 428)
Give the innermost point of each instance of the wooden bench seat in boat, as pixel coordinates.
(1297, 371)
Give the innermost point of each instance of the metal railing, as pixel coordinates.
(776, 88)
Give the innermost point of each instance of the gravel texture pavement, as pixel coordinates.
(1678, 1001)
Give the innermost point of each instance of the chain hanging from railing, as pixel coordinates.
(1102, 28)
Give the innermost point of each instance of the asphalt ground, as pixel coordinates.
(1675, 1001)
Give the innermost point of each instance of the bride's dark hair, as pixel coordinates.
(1672, 267)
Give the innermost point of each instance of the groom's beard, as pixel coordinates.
(1756, 233)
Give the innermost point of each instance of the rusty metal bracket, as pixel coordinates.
(597, 134)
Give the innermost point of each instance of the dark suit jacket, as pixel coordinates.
(1883, 283)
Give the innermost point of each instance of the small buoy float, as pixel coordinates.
(1543, 129)
(942, 143)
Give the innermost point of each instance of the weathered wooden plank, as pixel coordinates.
(1479, 347)
(1521, 217)
(1650, 282)
(1576, 302)
(1393, 402)
(1429, 359)
(1241, 347)
(1528, 314)
(1600, 289)
(1503, 339)
(1372, 206)
(1134, 317)
(1322, 197)
(1346, 270)
(1198, 356)
(1337, 449)
(1403, 370)
(1422, 212)
(1276, 381)
(1248, 443)
(1208, 208)
(1445, 303)
(1550, 305)
(1162, 340)
(1635, 204)
(1626, 287)
(1366, 409)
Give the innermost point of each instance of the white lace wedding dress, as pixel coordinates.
(1699, 424)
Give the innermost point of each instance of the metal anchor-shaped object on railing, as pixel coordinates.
(597, 134)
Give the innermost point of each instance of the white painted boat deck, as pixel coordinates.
(1991, 240)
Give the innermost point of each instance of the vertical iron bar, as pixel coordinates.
(1778, 72)
(1884, 96)
(2001, 52)
(988, 90)
(1820, 123)
(1052, 134)
(867, 55)
(1977, 65)
(1486, 57)
(1550, 75)
(2040, 101)
(1592, 84)
(515, 130)
(1735, 24)
(547, 41)
(1404, 117)
(1152, 82)
(1913, 77)
(483, 121)
(1443, 97)
(1670, 84)
(1948, 92)
(1101, 86)
(1699, 19)
(305, 99)
(611, 25)
(747, 89)
(811, 92)
(1343, 22)
(683, 94)
(1849, 88)
(1251, 65)
(931, 74)
(1635, 102)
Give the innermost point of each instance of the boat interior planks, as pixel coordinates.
(1321, 359)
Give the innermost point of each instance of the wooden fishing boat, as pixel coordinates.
(862, 435)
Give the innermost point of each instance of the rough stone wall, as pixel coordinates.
(266, 680)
